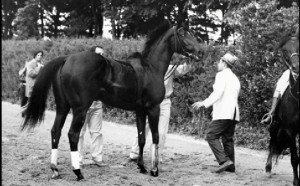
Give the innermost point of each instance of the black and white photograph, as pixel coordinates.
(150, 92)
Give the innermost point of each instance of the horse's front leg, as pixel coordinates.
(153, 117)
(74, 132)
(294, 160)
(269, 163)
(141, 123)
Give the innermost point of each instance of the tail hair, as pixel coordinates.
(35, 111)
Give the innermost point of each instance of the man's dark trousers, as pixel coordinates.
(222, 129)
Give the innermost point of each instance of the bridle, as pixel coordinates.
(294, 54)
(185, 52)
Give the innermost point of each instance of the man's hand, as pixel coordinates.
(197, 105)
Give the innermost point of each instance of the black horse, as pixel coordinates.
(285, 129)
(136, 85)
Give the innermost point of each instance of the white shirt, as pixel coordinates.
(283, 82)
(224, 97)
(180, 70)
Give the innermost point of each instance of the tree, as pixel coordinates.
(261, 26)
(25, 23)
(9, 9)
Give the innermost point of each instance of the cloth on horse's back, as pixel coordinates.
(119, 73)
(126, 74)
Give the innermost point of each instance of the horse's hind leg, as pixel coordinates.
(269, 163)
(74, 132)
(62, 110)
(153, 117)
(61, 114)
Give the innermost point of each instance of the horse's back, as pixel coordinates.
(92, 75)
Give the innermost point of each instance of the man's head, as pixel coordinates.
(98, 50)
(227, 61)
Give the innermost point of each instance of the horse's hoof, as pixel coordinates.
(143, 170)
(80, 178)
(78, 174)
(154, 173)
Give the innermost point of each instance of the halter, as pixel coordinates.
(170, 72)
(291, 56)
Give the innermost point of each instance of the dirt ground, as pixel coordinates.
(186, 161)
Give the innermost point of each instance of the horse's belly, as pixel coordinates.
(123, 98)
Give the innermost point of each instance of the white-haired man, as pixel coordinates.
(225, 115)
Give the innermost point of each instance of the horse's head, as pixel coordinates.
(290, 52)
(185, 43)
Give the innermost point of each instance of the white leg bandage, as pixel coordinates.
(54, 156)
(154, 155)
(75, 159)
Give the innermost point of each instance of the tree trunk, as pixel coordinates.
(95, 18)
(42, 21)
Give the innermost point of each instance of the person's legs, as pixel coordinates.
(228, 144)
(215, 131)
(227, 140)
(95, 126)
(81, 136)
(163, 126)
(23, 98)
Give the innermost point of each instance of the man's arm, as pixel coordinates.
(183, 69)
(219, 87)
(32, 70)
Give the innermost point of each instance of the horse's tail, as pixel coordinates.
(279, 141)
(34, 113)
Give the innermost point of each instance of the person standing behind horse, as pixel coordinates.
(225, 115)
(22, 88)
(93, 122)
(165, 110)
(32, 68)
(281, 86)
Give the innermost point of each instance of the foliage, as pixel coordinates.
(261, 26)
(26, 19)
(192, 86)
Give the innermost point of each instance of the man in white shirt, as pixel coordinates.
(225, 115)
(281, 86)
(165, 111)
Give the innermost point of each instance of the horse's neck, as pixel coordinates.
(159, 58)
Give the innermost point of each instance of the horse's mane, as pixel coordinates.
(154, 35)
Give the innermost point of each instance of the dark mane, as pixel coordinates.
(154, 35)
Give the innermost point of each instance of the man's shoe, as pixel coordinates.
(100, 164)
(224, 166)
(231, 168)
(133, 156)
